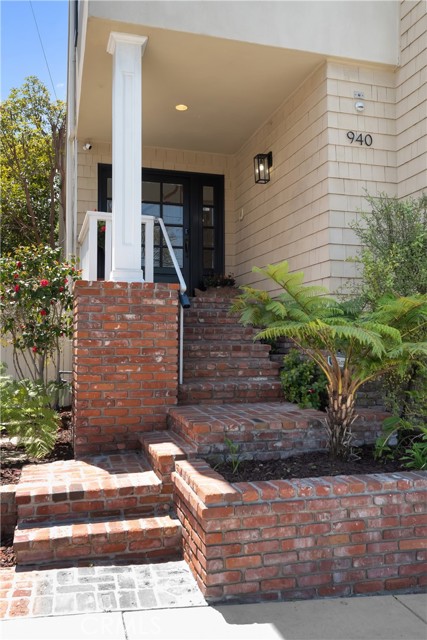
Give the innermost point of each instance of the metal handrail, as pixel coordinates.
(182, 285)
(184, 302)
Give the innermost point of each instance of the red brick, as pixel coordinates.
(278, 584)
(243, 561)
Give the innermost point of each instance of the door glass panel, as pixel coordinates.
(208, 259)
(175, 235)
(208, 195)
(208, 238)
(149, 209)
(172, 214)
(172, 193)
(207, 216)
(151, 191)
(109, 188)
(167, 260)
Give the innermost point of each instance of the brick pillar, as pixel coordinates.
(125, 362)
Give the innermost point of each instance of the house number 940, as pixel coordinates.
(361, 138)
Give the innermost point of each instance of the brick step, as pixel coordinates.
(162, 449)
(257, 389)
(225, 368)
(235, 349)
(136, 538)
(97, 486)
(264, 429)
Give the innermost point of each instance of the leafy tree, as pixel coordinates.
(394, 260)
(373, 342)
(394, 251)
(32, 150)
(36, 304)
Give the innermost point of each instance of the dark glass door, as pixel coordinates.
(192, 208)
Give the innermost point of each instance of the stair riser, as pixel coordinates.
(89, 541)
(196, 350)
(221, 396)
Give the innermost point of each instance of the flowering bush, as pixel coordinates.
(36, 304)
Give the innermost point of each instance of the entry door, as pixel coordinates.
(192, 208)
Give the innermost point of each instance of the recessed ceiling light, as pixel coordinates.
(181, 107)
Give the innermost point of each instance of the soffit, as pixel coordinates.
(231, 87)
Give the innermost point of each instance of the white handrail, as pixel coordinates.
(182, 285)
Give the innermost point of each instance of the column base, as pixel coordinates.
(127, 275)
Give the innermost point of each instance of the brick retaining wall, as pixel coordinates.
(125, 362)
(8, 509)
(332, 536)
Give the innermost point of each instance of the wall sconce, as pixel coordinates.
(87, 146)
(262, 165)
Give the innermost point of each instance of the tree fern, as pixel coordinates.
(373, 342)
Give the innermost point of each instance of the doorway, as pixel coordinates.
(192, 208)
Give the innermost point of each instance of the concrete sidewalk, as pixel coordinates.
(388, 617)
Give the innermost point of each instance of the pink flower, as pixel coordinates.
(102, 229)
(61, 289)
(16, 275)
(34, 349)
(44, 283)
(17, 287)
(43, 312)
(65, 280)
(19, 264)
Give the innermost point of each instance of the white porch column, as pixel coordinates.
(127, 51)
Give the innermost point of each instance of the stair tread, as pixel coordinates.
(220, 382)
(95, 474)
(168, 443)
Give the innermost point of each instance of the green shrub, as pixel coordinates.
(303, 382)
(27, 416)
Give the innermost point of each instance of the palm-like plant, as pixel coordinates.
(373, 342)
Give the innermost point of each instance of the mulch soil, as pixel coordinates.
(307, 465)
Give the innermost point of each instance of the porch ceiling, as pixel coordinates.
(230, 87)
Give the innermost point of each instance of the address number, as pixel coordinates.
(360, 138)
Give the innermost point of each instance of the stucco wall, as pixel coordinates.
(411, 100)
(352, 29)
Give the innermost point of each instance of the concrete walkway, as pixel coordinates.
(365, 618)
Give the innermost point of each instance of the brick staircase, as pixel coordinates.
(109, 506)
(120, 505)
(221, 361)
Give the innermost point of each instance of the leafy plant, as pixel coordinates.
(27, 416)
(36, 306)
(218, 280)
(303, 382)
(416, 454)
(373, 342)
(394, 260)
(234, 454)
(394, 247)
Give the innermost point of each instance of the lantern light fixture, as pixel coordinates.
(262, 165)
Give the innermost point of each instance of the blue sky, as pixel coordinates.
(21, 52)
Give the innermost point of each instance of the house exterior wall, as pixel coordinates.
(319, 176)
(411, 100)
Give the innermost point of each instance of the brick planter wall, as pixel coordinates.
(8, 509)
(125, 362)
(306, 538)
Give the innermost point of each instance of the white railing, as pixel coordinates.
(88, 241)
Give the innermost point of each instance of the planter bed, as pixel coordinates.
(306, 538)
